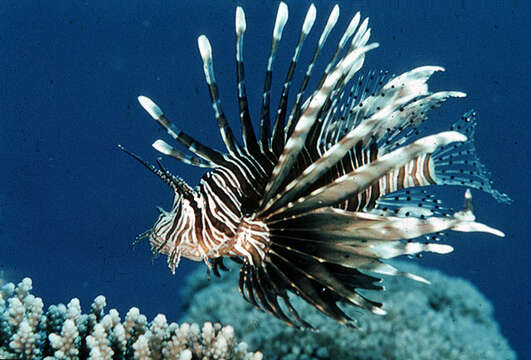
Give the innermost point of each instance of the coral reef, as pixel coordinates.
(64, 332)
(448, 319)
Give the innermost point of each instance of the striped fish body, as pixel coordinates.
(316, 201)
(218, 220)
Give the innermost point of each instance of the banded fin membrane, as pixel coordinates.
(459, 164)
(414, 202)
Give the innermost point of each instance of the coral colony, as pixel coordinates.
(64, 332)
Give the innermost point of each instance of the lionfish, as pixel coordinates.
(316, 203)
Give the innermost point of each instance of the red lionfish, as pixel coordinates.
(312, 206)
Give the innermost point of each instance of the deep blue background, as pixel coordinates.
(70, 72)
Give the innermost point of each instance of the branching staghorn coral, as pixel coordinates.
(64, 332)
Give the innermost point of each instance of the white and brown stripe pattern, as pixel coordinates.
(305, 207)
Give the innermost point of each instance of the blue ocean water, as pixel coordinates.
(72, 203)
